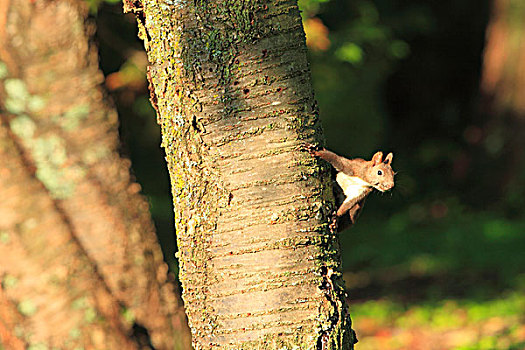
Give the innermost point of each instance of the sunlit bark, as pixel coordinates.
(79, 262)
(231, 85)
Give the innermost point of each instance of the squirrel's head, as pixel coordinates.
(379, 173)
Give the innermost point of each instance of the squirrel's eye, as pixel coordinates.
(379, 172)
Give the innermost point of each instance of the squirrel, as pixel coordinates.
(357, 178)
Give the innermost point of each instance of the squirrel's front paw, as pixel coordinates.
(312, 149)
(333, 224)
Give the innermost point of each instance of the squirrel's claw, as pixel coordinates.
(333, 225)
(310, 148)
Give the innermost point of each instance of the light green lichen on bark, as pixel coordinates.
(23, 126)
(5, 237)
(48, 152)
(38, 346)
(90, 312)
(72, 118)
(50, 157)
(17, 96)
(18, 99)
(90, 315)
(27, 307)
(4, 72)
(9, 281)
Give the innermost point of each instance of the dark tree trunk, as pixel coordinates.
(231, 85)
(503, 82)
(503, 91)
(79, 262)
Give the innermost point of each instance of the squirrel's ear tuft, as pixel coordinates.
(377, 158)
(388, 158)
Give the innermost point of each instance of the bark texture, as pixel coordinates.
(79, 262)
(231, 84)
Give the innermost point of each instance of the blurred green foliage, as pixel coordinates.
(462, 324)
(404, 76)
(445, 249)
(94, 5)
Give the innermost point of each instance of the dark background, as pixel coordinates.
(444, 252)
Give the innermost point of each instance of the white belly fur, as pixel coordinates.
(352, 185)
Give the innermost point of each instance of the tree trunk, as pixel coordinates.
(503, 80)
(79, 261)
(503, 90)
(231, 85)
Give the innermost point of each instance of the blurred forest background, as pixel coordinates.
(438, 263)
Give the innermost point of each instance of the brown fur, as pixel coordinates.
(376, 173)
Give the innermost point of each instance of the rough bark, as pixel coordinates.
(79, 261)
(231, 85)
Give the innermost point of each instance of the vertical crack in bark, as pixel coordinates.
(334, 295)
(152, 95)
(328, 290)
